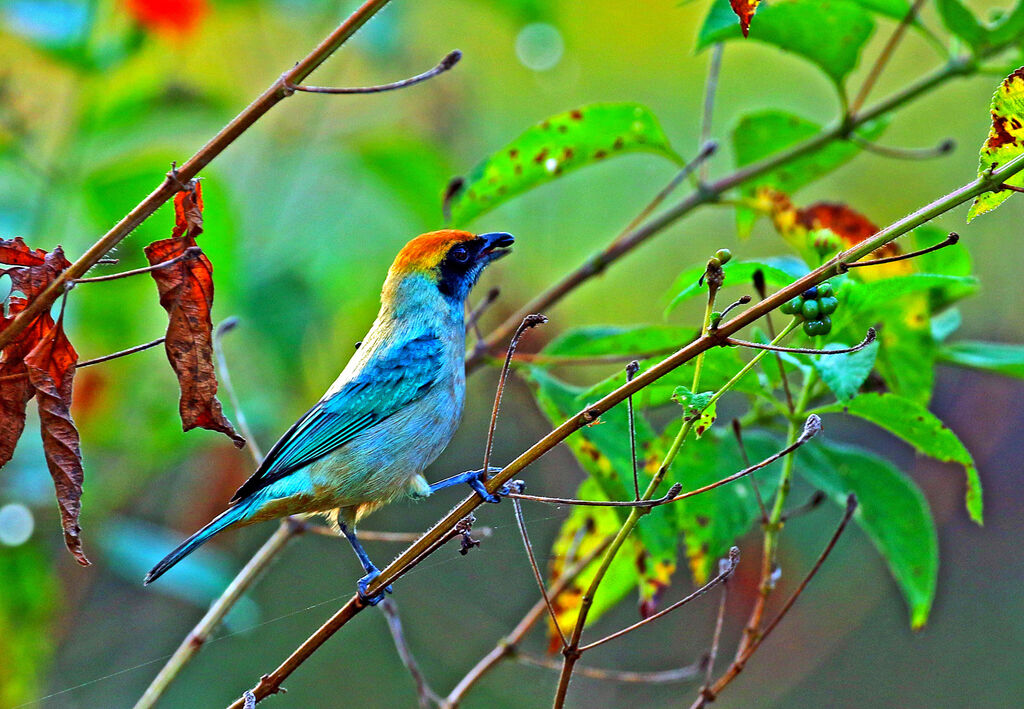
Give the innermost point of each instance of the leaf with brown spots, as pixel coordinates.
(186, 293)
(553, 147)
(1005, 141)
(51, 370)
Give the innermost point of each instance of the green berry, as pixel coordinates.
(825, 289)
(811, 327)
(723, 255)
(811, 310)
(828, 304)
(811, 293)
(792, 306)
(824, 325)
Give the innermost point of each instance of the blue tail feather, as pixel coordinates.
(222, 521)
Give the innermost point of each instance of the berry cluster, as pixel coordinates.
(814, 306)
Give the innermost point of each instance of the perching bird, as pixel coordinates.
(388, 415)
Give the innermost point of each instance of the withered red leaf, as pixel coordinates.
(849, 225)
(186, 293)
(744, 9)
(51, 372)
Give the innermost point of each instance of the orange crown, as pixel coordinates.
(425, 252)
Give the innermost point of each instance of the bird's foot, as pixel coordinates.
(476, 480)
(364, 583)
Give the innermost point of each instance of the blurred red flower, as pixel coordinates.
(171, 17)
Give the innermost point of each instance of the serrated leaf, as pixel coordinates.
(553, 147)
(698, 407)
(828, 33)
(1005, 141)
(598, 340)
(891, 510)
(995, 357)
(845, 373)
(923, 430)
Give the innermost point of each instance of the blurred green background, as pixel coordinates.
(303, 216)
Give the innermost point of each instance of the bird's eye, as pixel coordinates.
(460, 254)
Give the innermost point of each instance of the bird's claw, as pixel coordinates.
(364, 582)
(477, 483)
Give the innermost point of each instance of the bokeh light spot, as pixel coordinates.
(16, 524)
(539, 46)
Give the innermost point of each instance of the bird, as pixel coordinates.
(388, 415)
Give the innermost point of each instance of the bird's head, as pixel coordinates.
(449, 260)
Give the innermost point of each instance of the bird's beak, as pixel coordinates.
(496, 245)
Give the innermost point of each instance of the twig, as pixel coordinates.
(530, 321)
(368, 535)
(812, 504)
(474, 315)
(948, 241)
(424, 694)
(275, 93)
(521, 523)
(670, 496)
(710, 92)
(122, 353)
(762, 292)
(188, 254)
(226, 326)
(944, 148)
(719, 622)
(868, 339)
(737, 666)
(883, 58)
(449, 61)
(631, 369)
(737, 431)
(444, 528)
(734, 559)
(679, 674)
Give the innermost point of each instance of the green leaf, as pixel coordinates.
(1005, 141)
(879, 295)
(891, 510)
(603, 451)
(981, 37)
(762, 134)
(740, 273)
(893, 9)
(697, 406)
(553, 147)
(945, 324)
(598, 340)
(920, 428)
(828, 33)
(995, 357)
(713, 521)
(845, 373)
(27, 618)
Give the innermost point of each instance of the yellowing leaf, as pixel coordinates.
(1005, 140)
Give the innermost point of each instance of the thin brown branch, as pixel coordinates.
(521, 523)
(122, 353)
(737, 666)
(734, 559)
(369, 535)
(868, 339)
(762, 292)
(443, 530)
(449, 61)
(883, 59)
(473, 318)
(719, 622)
(737, 431)
(424, 694)
(943, 148)
(679, 674)
(948, 241)
(670, 496)
(275, 93)
(710, 93)
(188, 254)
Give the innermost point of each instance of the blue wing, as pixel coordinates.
(391, 380)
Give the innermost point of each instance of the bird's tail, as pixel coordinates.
(220, 522)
